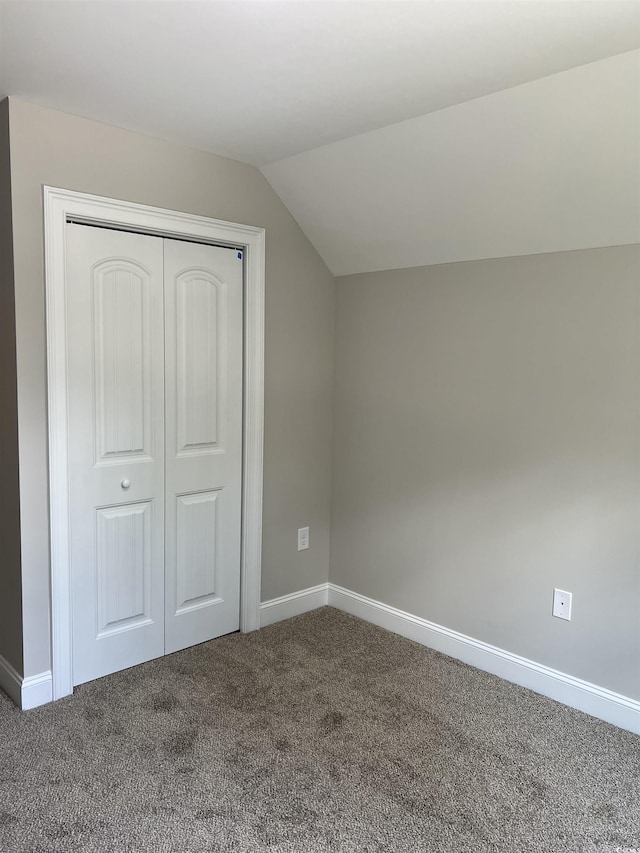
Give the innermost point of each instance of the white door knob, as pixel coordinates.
(125, 484)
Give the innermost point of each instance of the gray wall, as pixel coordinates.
(10, 590)
(486, 415)
(53, 148)
(486, 447)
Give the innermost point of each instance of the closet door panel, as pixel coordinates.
(115, 387)
(203, 334)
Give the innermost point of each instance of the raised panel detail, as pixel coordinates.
(123, 566)
(122, 360)
(200, 330)
(196, 545)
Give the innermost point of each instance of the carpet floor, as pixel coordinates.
(322, 733)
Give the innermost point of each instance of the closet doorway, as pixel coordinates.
(154, 338)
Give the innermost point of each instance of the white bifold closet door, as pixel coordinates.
(154, 387)
(203, 431)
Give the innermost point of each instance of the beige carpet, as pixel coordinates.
(320, 733)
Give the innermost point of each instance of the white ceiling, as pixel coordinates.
(397, 133)
(260, 81)
(548, 166)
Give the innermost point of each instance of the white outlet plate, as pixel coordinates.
(562, 604)
(303, 538)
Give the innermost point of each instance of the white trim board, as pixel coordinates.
(11, 681)
(590, 698)
(278, 609)
(26, 692)
(61, 206)
(574, 692)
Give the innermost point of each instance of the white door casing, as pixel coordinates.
(203, 370)
(60, 207)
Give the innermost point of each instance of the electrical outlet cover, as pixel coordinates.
(303, 538)
(562, 604)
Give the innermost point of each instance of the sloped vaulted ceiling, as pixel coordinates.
(552, 165)
(398, 133)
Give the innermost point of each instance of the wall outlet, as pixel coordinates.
(303, 538)
(562, 604)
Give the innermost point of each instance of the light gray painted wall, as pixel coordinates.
(486, 449)
(10, 593)
(53, 148)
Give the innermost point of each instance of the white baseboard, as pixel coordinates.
(294, 604)
(10, 681)
(574, 692)
(26, 692)
(37, 690)
(594, 700)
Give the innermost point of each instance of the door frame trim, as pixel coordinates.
(60, 206)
